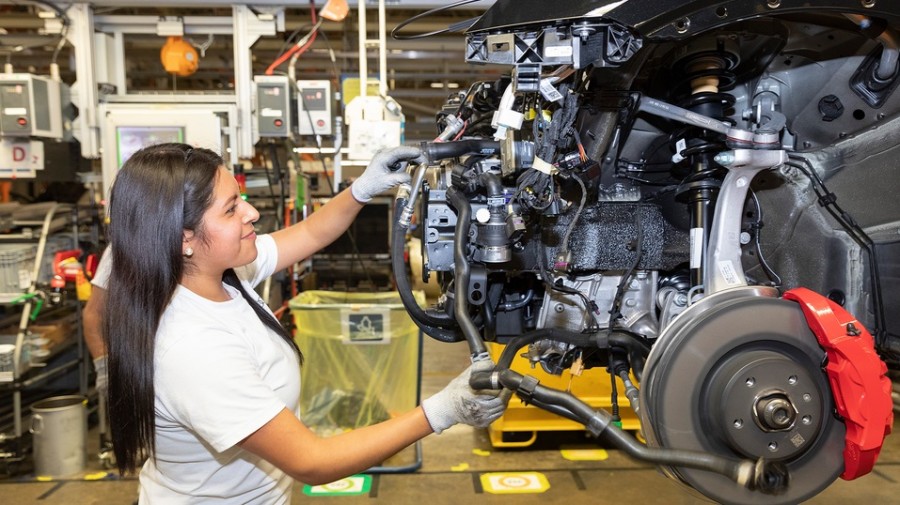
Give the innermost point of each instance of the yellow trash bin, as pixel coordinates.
(361, 358)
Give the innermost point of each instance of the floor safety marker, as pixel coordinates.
(351, 486)
(514, 482)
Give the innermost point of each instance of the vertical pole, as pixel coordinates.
(382, 50)
(363, 63)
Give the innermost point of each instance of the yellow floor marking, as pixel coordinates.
(584, 454)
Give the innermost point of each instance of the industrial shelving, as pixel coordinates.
(23, 308)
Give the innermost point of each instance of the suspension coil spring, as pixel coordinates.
(705, 76)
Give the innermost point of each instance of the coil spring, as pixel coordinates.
(716, 66)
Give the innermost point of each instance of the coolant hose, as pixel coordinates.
(436, 327)
(492, 184)
(442, 150)
(462, 272)
(512, 347)
(636, 351)
(767, 477)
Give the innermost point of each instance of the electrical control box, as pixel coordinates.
(314, 107)
(30, 106)
(275, 109)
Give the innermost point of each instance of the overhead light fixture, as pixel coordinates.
(451, 85)
(335, 10)
(179, 57)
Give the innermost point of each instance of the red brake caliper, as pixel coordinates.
(862, 392)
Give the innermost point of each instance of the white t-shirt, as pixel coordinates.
(220, 375)
(101, 275)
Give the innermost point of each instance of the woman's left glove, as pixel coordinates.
(459, 403)
(384, 172)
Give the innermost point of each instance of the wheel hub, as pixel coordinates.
(763, 405)
(775, 412)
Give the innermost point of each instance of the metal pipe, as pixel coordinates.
(410, 207)
(363, 61)
(382, 50)
(887, 65)
(631, 392)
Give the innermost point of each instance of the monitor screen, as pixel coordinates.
(130, 139)
(370, 232)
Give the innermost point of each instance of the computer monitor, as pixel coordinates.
(127, 127)
(130, 139)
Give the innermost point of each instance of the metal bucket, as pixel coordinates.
(59, 426)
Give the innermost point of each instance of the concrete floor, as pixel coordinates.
(453, 465)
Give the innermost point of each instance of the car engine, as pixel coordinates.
(698, 196)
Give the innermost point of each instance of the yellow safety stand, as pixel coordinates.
(520, 424)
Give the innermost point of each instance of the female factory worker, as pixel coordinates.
(202, 378)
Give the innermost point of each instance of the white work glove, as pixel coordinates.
(459, 403)
(102, 382)
(381, 176)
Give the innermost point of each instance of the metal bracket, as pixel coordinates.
(248, 28)
(84, 89)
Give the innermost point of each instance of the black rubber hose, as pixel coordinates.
(518, 304)
(513, 346)
(435, 327)
(635, 349)
(461, 267)
(599, 423)
(492, 184)
(443, 150)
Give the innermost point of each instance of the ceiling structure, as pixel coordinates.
(421, 73)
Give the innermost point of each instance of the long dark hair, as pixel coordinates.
(160, 192)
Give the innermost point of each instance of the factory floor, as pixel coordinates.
(459, 467)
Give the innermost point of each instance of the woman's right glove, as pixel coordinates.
(384, 173)
(459, 403)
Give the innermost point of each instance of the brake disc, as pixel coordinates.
(740, 375)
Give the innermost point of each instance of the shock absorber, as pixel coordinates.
(708, 71)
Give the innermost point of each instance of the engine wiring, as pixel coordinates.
(535, 188)
(575, 218)
(590, 306)
(615, 312)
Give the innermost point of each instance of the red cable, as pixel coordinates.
(302, 49)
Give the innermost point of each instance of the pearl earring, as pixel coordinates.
(188, 252)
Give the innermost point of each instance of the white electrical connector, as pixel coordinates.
(505, 118)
